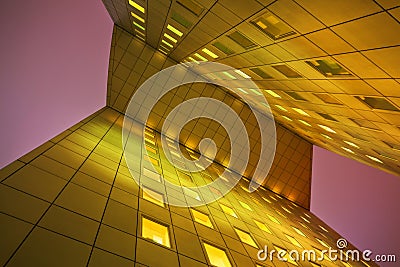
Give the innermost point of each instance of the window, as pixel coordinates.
(202, 218)
(285, 256)
(228, 210)
(262, 226)
(181, 20)
(377, 103)
(223, 48)
(322, 242)
(151, 149)
(184, 177)
(261, 73)
(328, 67)
(137, 6)
(295, 96)
(297, 230)
(302, 112)
(244, 205)
(326, 128)
(217, 256)
(327, 116)
(190, 193)
(327, 98)
(241, 40)
(152, 175)
(153, 196)
(293, 241)
(273, 26)
(148, 140)
(174, 30)
(246, 238)
(285, 70)
(273, 93)
(155, 231)
(273, 219)
(374, 159)
(366, 124)
(191, 6)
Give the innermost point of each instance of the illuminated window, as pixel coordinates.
(210, 53)
(273, 93)
(152, 160)
(285, 70)
(326, 128)
(228, 210)
(137, 6)
(246, 238)
(323, 228)
(241, 73)
(153, 196)
(169, 37)
(351, 144)
(328, 67)
(148, 140)
(322, 242)
(347, 150)
(151, 149)
(374, 159)
(137, 17)
(281, 108)
(244, 205)
(293, 241)
(191, 6)
(217, 256)
(305, 219)
(267, 200)
(273, 26)
(262, 226)
(202, 218)
(223, 48)
(273, 219)
(174, 30)
(285, 256)
(156, 232)
(302, 112)
(241, 40)
(297, 230)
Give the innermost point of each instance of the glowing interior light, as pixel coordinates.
(242, 90)
(208, 52)
(304, 122)
(327, 137)
(200, 57)
(273, 93)
(287, 118)
(137, 17)
(137, 6)
(281, 108)
(348, 150)
(302, 112)
(326, 128)
(374, 159)
(227, 74)
(174, 30)
(351, 144)
(139, 26)
(168, 44)
(255, 91)
(241, 73)
(166, 35)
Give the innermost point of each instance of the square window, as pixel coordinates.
(223, 48)
(273, 26)
(262, 226)
(217, 256)
(155, 231)
(228, 210)
(202, 218)
(246, 238)
(241, 40)
(285, 70)
(153, 196)
(377, 103)
(328, 67)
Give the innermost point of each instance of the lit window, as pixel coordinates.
(217, 256)
(151, 149)
(262, 226)
(246, 238)
(166, 43)
(328, 67)
(297, 230)
(228, 210)
(137, 17)
(241, 73)
(293, 241)
(152, 160)
(155, 231)
(304, 122)
(174, 30)
(273, 93)
(273, 219)
(305, 219)
(244, 205)
(166, 35)
(351, 144)
(137, 6)
(241, 40)
(210, 53)
(148, 140)
(201, 218)
(323, 228)
(273, 26)
(374, 159)
(200, 57)
(287, 118)
(223, 48)
(267, 200)
(326, 128)
(153, 196)
(302, 112)
(347, 150)
(322, 242)
(281, 108)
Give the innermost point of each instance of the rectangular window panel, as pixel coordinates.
(285, 70)
(273, 26)
(202, 218)
(223, 48)
(155, 231)
(327, 98)
(328, 67)
(181, 20)
(246, 238)
(153, 196)
(217, 256)
(261, 73)
(241, 40)
(296, 96)
(377, 103)
(262, 226)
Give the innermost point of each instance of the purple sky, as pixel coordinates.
(358, 201)
(54, 69)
